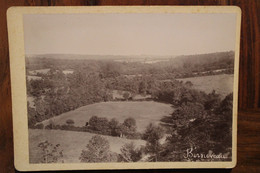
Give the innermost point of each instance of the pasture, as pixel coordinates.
(34, 77)
(144, 112)
(72, 143)
(222, 84)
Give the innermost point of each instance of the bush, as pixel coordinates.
(70, 122)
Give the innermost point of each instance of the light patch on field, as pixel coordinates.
(42, 71)
(222, 84)
(72, 143)
(68, 71)
(34, 77)
(144, 112)
(31, 99)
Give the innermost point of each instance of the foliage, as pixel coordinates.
(126, 95)
(98, 150)
(187, 113)
(197, 115)
(129, 153)
(114, 127)
(50, 153)
(70, 122)
(213, 101)
(128, 128)
(39, 126)
(213, 126)
(99, 124)
(152, 135)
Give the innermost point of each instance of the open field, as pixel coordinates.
(42, 71)
(72, 143)
(144, 112)
(222, 84)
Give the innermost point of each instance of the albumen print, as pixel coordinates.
(129, 87)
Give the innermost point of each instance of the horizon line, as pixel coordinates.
(126, 55)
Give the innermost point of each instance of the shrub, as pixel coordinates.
(126, 95)
(70, 122)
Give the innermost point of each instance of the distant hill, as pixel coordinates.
(204, 58)
(98, 57)
(134, 64)
(180, 60)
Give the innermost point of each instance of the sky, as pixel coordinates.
(129, 34)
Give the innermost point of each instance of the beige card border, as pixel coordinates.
(18, 88)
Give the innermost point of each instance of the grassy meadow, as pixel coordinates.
(72, 143)
(222, 84)
(144, 112)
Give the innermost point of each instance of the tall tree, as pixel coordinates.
(152, 135)
(98, 150)
(129, 126)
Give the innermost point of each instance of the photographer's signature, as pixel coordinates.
(192, 154)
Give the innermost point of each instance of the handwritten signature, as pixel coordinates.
(191, 154)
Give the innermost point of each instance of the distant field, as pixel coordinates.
(222, 84)
(43, 71)
(72, 143)
(34, 77)
(144, 112)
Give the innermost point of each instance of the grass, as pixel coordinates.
(72, 143)
(43, 71)
(222, 84)
(144, 112)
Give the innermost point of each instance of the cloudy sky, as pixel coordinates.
(129, 34)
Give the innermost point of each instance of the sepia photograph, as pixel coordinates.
(130, 87)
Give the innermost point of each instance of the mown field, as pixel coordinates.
(222, 84)
(72, 143)
(144, 112)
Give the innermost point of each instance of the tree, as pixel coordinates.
(31, 116)
(187, 113)
(226, 105)
(152, 135)
(99, 124)
(98, 150)
(143, 87)
(93, 121)
(129, 153)
(130, 123)
(129, 127)
(114, 127)
(215, 128)
(188, 84)
(126, 95)
(213, 101)
(50, 153)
